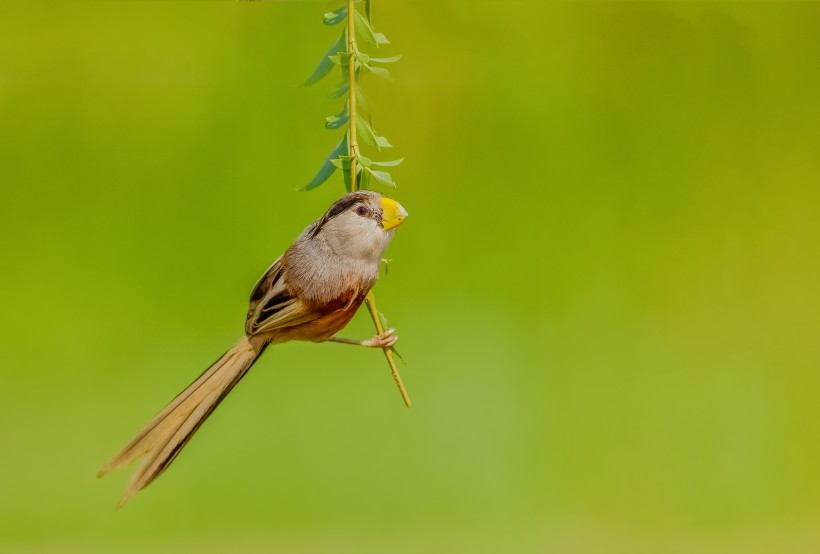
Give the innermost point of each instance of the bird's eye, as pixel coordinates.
(362, 211)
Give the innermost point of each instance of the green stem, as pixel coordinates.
(353, 152)
(370, 300)
(353, 145)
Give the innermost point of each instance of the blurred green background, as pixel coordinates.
(607, 292)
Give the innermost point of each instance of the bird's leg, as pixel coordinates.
(382, 340)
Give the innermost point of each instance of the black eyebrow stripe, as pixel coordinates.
(340, 206)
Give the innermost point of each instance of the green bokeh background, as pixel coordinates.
(607, 292)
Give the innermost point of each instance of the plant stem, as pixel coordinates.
(353, 145)
(370, 300)
(353, 152)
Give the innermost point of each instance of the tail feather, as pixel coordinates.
(171, 429)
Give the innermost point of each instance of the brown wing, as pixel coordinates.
(272, 306)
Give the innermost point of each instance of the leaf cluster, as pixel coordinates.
(341, 54)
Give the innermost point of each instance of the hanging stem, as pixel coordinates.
(370, 300)
(353, 152)
(353, 145)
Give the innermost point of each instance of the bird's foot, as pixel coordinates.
(382, 340)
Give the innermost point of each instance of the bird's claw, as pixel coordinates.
(383, 340)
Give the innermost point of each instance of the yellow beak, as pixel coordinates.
(392, 213)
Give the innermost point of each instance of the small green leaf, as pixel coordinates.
(369, 135)
(326, 64)
(348, 182)
(366, 131)
(367, 32)
(364, 179)
(339, 90)
(336, 121)
(390, 163)
(340, 163)
(382, 177)
(364, 28)
(391, 59)
(361, 56)
(336, 16)
(340, 59)
(380, 71)
(364, 162)
(383, 319)
(328, 167)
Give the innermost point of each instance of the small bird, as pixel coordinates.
(309, 293)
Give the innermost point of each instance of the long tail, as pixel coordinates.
(171, 429)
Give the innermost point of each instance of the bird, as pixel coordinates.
(308, 294)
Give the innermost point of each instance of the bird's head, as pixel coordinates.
(360, 224)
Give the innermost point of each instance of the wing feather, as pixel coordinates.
(272, 306)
